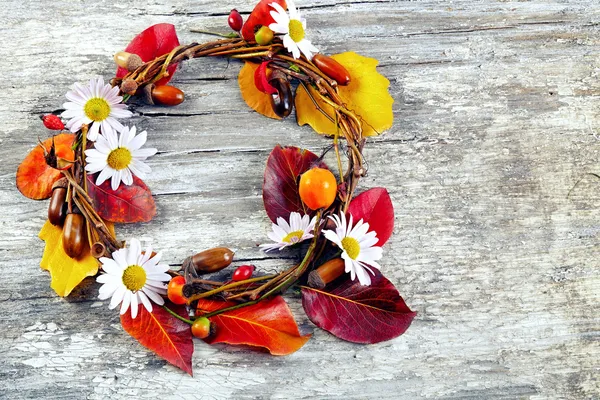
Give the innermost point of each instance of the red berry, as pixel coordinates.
(175, 290)
(201, 328)
(53, 122)
(235, 20)
(242, 273)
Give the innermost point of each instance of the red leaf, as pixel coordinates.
(280, 187)
(34, 176)
(267, 324)
(162, 333)
(153, 42)
(375, 207)
(359, 314)
(127, 204)
(261, 15)
(260, 79)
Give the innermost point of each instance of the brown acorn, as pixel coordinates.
(326, 273)
(57, 210)
(129, 61)
(167, 95)
(211, 260)
(74, 235)
(332, 69)
(283, 100)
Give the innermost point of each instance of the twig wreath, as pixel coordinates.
(92, 176)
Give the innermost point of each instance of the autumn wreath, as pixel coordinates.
(93, 177)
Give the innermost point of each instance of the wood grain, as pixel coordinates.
(496, 120)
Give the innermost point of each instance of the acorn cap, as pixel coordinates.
(147, 94)
(129, 86)
(61, 183)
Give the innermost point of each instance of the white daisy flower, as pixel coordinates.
(287, 234)
(98, 104)
(117, 157)
(132, 278)
(292, 26)
(357, 247)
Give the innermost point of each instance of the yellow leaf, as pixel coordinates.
(65, 271)
(366, 95)
(257, 100)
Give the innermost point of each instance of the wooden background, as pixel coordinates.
(496, 119)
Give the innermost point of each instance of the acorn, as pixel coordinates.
(211, 260)
(129, 61)
(167, 95)
(74, 235)
(332, 69)
(326, 273)
(282, 101)
(57, 210)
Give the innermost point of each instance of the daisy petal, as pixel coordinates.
(125, 303)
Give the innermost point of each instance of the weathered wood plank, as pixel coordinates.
(496, 116)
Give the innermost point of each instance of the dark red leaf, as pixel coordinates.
(268, 324)
(153, 42)
(162, 333)
(375, 207)
(260, 79)
(280, 187)
(356, 313)
(261, 15)
(127, 204)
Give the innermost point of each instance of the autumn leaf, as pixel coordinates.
(65, 271)
(153, 42)
(366, 95)
(261, 79)
(257, 100)
(34, 177)
(127, 204)
(280, 186)
(356, 313)
(164, 334)
(260, 16)
(375, 207)
(268, 324)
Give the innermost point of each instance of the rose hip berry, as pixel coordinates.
(53, 122)
(201, 328)
(318, 188)
(235, 20)
(242, 273)
(175, 290)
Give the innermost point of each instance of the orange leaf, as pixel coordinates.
(257, 100)
(162, 333)
(366, 95)
(267, 324)
(34, 177)
(65, 271)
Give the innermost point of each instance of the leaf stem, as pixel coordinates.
(179, 317)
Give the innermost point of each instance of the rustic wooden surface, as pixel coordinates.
(496, 119)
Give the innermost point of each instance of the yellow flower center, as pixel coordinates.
(293, 237)
(351, 246)
(134, 277)
(296, 30)
(119, 158)
(97, 109)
